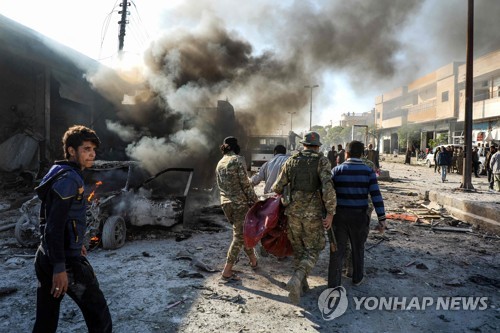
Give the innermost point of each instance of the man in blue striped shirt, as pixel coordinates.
(353, 182)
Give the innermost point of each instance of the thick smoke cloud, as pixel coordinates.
(209, 52)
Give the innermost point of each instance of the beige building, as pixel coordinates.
(352, 118)
(435, 105)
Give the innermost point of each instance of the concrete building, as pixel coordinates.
(435, 105)
(43, 91)
(352, 118)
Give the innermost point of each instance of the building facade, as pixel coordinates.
(435, 106)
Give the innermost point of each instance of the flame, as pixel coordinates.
(92, 194)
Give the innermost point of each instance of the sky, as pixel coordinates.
(354, 50)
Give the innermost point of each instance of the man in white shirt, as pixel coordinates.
(270, 170)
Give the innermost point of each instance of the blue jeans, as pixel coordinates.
(443, 172)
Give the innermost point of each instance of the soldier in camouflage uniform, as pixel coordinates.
(237, 196)
(308, 175)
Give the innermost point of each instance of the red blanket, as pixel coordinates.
(266, 222)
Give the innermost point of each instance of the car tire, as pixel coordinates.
(114, 233)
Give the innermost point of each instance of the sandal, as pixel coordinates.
(254, 267)
(232, 278)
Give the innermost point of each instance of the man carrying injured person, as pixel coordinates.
(308, 175)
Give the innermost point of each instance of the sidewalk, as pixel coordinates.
(479, 207)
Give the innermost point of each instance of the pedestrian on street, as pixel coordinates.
(340, 155)
(373, 155)
(443, 160)
(460, 160)
(307, 173)
(436, 153)
(353, 182)
(332, 157)
(61, 263)
(408, 156)
(454, 166)
(489, 171)
(475, 162)
(236, 196)
(495, 167)
(449, 151)
(347, 270)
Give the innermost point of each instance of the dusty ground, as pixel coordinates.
(149, 290)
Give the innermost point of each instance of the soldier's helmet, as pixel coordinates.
(311, 139)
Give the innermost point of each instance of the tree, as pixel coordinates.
(441, 139)
(408, 134)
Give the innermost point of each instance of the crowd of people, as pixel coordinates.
(335, 194)
(317, 199)
(449, 159)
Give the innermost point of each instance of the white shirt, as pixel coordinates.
(269, 172)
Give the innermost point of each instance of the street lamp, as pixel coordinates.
(291, 115)
(311, 109)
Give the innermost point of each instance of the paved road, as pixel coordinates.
(479, 207)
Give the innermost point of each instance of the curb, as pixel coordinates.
(483, 215)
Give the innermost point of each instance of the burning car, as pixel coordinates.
(120, 193)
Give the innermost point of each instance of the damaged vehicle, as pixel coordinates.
(120, 194)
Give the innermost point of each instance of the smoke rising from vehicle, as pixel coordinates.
(190, 66)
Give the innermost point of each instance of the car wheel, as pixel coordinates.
(114, 233)
(429, 164)
(26, 233)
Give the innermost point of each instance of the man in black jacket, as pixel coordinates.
(61, 265)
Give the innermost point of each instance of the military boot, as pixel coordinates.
(305, 286)
(294, 287)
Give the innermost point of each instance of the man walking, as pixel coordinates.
(340, 155)
(353, 182)
(372, 155)
(308, 175)
(489, 171)
(61, 265)
(270, 170)
(332, 157)
(475, 162)
(495, 168)
(443, 160)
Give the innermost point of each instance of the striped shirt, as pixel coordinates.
(353, 181)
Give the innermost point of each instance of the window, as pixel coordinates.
(444, 96)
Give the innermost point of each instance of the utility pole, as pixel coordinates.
(291, 115)
(123, 22)
(466, 176)
(311, 109)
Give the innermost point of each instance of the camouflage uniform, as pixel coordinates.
(305, 211)
(236, 196)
